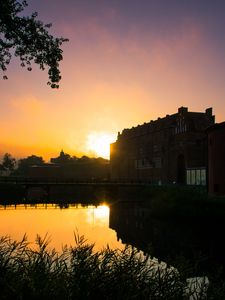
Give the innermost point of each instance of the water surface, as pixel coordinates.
(59, 223)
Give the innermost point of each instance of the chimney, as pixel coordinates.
(182, 110)
(208, 112)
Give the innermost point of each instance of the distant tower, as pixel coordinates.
(62, 154)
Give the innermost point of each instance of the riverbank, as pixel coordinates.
(165, 202)
(184, 203)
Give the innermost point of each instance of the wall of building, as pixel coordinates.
(216, 159)
(169, 150)
(92, 170)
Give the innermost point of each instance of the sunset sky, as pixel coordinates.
(127, 62)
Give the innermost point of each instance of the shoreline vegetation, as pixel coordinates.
(80, 273)
(165, 202)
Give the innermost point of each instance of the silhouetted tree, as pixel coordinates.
(66, 159)
(25, 163)
(102, 160)
(8, 162)
(85, 159)
(29, 39)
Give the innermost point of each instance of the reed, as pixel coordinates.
(78, 272)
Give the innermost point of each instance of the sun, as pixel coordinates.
(99, 143)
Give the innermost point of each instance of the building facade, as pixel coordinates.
(172, 149)
(216, 159)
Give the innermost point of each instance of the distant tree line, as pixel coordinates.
(65, 158)
(13, 167)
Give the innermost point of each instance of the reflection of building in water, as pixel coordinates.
(129, 221)
(216, 159)
(166, 239)
(170, 149)
(135, 226)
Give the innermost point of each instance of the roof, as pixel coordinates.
(216, 126)
(167, 121)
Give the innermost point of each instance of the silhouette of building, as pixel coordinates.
(89, 169)
(216, 159)
(45, 170)
(63, 158)
(172, 149)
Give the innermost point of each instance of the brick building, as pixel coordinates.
(216, 159)
(172, 149)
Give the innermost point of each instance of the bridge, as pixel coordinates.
(35, 189)
(29, 181)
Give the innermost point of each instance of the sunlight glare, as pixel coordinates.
(99, 143)
(102, 212)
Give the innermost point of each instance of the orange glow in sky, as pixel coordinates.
(126, 63)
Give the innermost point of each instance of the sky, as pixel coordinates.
(127, 62)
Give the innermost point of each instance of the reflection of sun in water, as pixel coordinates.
(99, 143)
(102, 212)
(98, 216)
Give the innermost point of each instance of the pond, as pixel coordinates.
(119, 224)
(60, 223)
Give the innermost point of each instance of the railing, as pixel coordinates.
(68, 181)
(43, 206)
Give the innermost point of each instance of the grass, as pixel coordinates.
(183, 203)
(78, 272)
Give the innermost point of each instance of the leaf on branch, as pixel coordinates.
(30, 40)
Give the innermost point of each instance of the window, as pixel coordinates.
(180, 126)
(196, 176)
(193, 177)
(188, 177)
(142, 164)
(155, 148)
(203, 177)
(157, 162)
(141, 150)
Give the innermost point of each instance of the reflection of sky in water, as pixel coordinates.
(59, 224)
